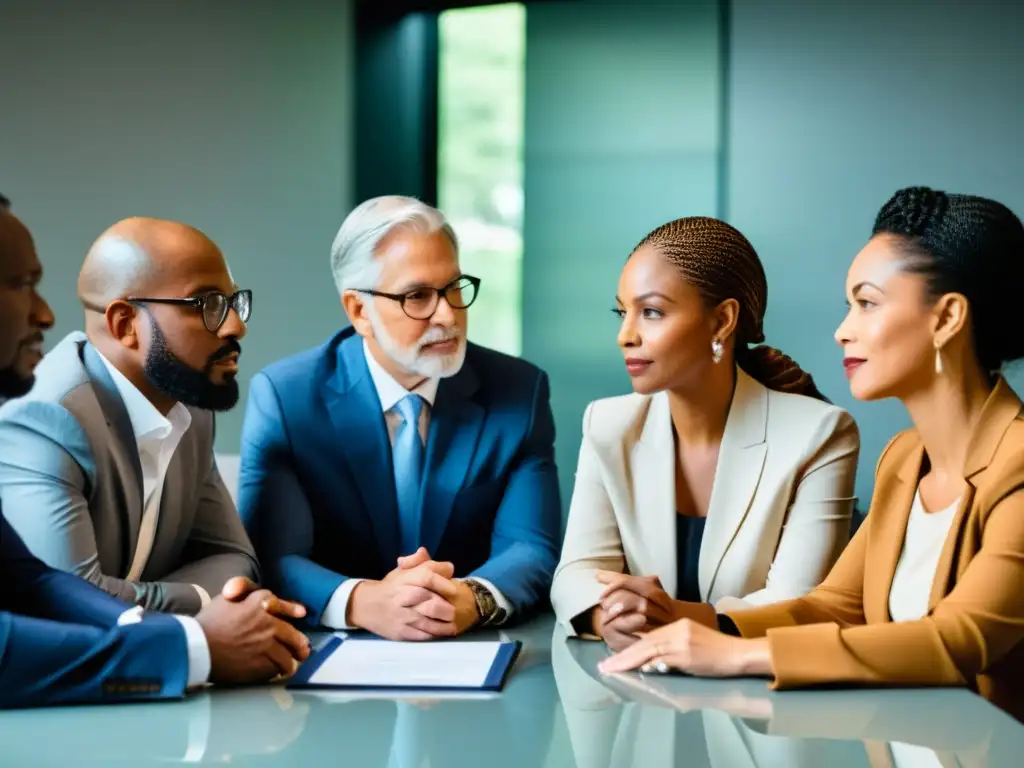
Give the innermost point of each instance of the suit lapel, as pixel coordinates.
(1000, 411)
(124, 449)
(653, 463)
(950, 548)
(455, 424)
(182, 485)
(355, 410)
(737, 474)
(887, 537)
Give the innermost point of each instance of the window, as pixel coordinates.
(480, 159)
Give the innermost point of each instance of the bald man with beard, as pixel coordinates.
(107, 467)
(62, 640)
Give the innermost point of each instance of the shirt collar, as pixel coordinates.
(389, 391)
(147, 422)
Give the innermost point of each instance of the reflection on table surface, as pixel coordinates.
(556, 710)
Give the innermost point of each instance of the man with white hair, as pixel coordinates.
(398, 478)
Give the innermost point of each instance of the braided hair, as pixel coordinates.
(722, 264)
(968, 245)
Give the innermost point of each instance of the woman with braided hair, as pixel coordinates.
(725, 479)
(929, 590)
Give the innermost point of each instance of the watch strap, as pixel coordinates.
(486, 604)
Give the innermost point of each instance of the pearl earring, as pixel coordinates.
(938, 360)
(717, 350)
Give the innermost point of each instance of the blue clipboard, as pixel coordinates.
(504, 660)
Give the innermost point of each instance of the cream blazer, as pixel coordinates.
(780, 507)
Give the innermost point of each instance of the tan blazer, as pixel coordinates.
(973, 634)
(780, 506)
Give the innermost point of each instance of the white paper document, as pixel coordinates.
(387, 664)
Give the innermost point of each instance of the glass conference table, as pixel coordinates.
(556, 710)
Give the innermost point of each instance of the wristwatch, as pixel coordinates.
(488, 608)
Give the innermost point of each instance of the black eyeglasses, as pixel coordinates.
(421, 303)
(214, 306)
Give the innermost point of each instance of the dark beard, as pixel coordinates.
(183, 383)
(13, 384)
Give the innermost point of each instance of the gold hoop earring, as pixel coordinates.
(938, 361)
(717, 351)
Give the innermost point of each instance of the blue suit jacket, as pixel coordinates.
(317, 492)
(60, 643)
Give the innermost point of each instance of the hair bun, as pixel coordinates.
(912, 211)
(777, 371)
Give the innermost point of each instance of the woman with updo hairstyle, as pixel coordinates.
(929, 592)
(725, 479)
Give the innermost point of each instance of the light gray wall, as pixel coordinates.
(233, 116)
(622, 134)
(833, 106)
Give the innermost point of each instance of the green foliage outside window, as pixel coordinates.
(480, 159)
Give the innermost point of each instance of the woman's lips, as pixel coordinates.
(637, 365)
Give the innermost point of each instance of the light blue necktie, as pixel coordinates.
(407, 456)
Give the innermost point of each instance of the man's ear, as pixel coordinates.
(354, 305)
(123, 324)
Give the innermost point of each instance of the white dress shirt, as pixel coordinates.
(915, 572)
(157, 438)
(391, 393)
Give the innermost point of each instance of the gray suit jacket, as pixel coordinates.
(71, 485)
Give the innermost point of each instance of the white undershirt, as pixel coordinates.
(915, 572)
(156, 439)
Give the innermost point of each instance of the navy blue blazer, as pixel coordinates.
(317, 493)
(60, 643)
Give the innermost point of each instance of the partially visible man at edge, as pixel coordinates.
(107, 467)
(396, 442)
(63, 640)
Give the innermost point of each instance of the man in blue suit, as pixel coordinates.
(64, 641)
(396, 478)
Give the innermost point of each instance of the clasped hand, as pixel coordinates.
(248, 635)
(630, 604)
(634, 604)
(418, 600)
(651, 631)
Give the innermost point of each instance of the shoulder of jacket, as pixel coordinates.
(607, 420)
(896, 450)
(1005, 472)
(803, 412)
